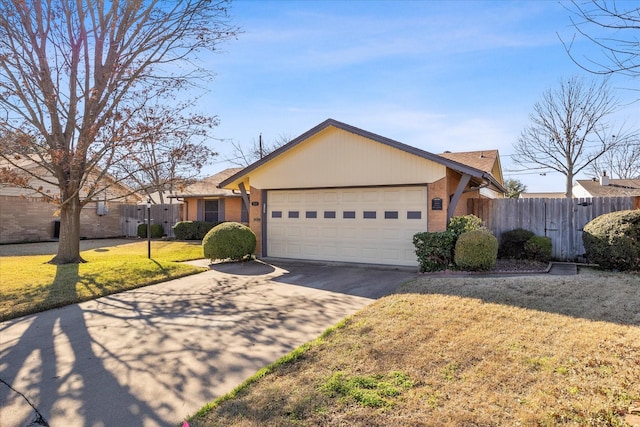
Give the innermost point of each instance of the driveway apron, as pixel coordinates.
(153, 356)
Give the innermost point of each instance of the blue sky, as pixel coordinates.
(456, 75)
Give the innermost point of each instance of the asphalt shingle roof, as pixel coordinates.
(616, 187)
(209, 186)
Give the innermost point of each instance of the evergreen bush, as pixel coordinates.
(512, 243)
(538, 248)
(434, 250)
(229, 240)
(156, 231)
(461, 224)
(613, 240)
(476, 250)
(192, 230)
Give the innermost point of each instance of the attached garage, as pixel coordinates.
(364, 225)
(339, 193)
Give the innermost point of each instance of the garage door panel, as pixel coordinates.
(321, 230)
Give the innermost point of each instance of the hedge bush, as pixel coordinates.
(613, 240)
(538, 248)
(229, 240)
(512, 243)
(434, 250)
(476, 250)
(192, 230)
(461, 224)
(156, 231)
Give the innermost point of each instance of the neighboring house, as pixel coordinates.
(339, 193)
(204, 201)
(554, 195)
(606, 187)
(25, 215)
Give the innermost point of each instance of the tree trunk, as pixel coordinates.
(569, 186)
(69, 244)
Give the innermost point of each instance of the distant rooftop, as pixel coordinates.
(208, 187)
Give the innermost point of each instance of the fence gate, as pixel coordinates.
(133, 215)
(561, 219)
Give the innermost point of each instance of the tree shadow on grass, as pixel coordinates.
(51, 361)
(591, 294)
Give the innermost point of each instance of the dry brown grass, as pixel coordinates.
(530, 351)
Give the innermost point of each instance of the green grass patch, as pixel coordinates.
(373, 391)
(30, 285)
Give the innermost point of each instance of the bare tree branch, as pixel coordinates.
(244, 156)
(568, 129)
(613, 30)
(74, 73)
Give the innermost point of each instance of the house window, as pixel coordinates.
(414, 215)
(211, 211)
(311, 214)
(369, 214)
(349, 214)
(390, 214)
(329, 214)
(294, 214)
(276, 214)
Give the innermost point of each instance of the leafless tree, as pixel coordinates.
(613, 28)
(568, 129)
(74, 72)
(172, 147)
(622, 162)
(244, 156)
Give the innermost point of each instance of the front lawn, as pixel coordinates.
(461, 351)
(28, 284)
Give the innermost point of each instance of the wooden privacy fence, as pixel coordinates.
(560, 219)
(133, 215)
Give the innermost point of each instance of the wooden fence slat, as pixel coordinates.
(560, 219)
(133, 215)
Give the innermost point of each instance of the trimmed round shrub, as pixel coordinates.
(156, 231)
(229, 240)
(613, 240)
(461, 224)
(512, 243)
(476, 250)
(538, 248)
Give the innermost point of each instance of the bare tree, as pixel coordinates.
(244, 156)
(171, 149)
(568, 129)
(622, 162)
(612, 27)
(74, 72)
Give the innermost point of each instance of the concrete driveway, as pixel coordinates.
(153, 356)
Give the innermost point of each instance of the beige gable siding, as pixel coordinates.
(336, 158)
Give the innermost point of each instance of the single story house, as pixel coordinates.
(204, 201)
(340, 193)
(606, 187)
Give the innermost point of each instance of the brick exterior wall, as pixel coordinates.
(233, 209)
(255, 217)
(437, 220)
(30, 219)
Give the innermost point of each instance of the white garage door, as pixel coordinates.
(372, 225)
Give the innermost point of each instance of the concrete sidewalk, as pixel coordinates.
(153, 356)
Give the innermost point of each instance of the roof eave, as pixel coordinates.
(459, 167)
